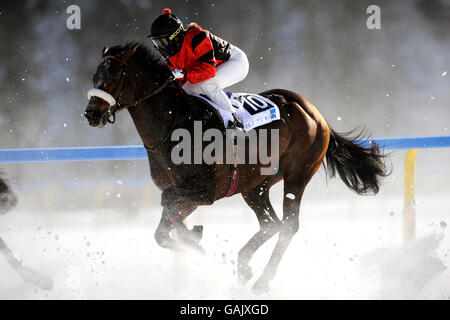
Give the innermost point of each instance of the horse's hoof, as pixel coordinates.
(260, 287)
(244, 274)
(164, 241)
(166, 244)
(197, 232)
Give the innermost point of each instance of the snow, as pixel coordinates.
(343, 251)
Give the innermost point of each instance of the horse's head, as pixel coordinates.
(111, 85)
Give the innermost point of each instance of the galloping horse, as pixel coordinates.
(136, 78)
(8, 198)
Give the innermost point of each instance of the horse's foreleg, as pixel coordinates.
(168, 223)
(162, 233)
(178, 202)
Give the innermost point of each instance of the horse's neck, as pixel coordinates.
(153, 119)
(155, 116)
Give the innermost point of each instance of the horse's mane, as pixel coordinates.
(147, 58)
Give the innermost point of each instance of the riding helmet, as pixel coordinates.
(167, 33)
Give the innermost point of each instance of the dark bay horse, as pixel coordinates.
(8, 198)
(136, 78)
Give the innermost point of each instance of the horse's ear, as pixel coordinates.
(128, 53)
(105, 50)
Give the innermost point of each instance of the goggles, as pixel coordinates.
(164, 41)
(161, 42)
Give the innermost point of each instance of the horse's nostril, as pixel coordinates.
(88, 114)
(92, 114)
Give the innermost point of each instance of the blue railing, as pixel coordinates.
(72, 154)
(139, 153)
(403, 143)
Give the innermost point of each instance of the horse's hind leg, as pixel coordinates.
(258, 200)
(296, 177)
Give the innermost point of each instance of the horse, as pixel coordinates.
(8, 198)
(136, 78)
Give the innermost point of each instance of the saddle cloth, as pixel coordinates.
(252, 109)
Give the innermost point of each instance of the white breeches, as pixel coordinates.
(227, 74)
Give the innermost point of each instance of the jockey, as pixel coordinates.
(204, 63)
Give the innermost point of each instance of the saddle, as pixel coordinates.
(251, 110)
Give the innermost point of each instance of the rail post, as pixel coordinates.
(409, 206)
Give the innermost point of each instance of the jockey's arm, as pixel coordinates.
(205, 66)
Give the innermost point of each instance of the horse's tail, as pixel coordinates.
(8, 198)
(360, 168)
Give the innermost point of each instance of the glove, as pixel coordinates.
(178, 73)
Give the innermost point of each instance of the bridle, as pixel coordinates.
(112, 101)
(109, 98)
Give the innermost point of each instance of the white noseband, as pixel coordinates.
(102, 95)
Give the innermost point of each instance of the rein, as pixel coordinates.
(151, 94)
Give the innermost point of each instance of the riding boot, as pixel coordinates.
(237, 122)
